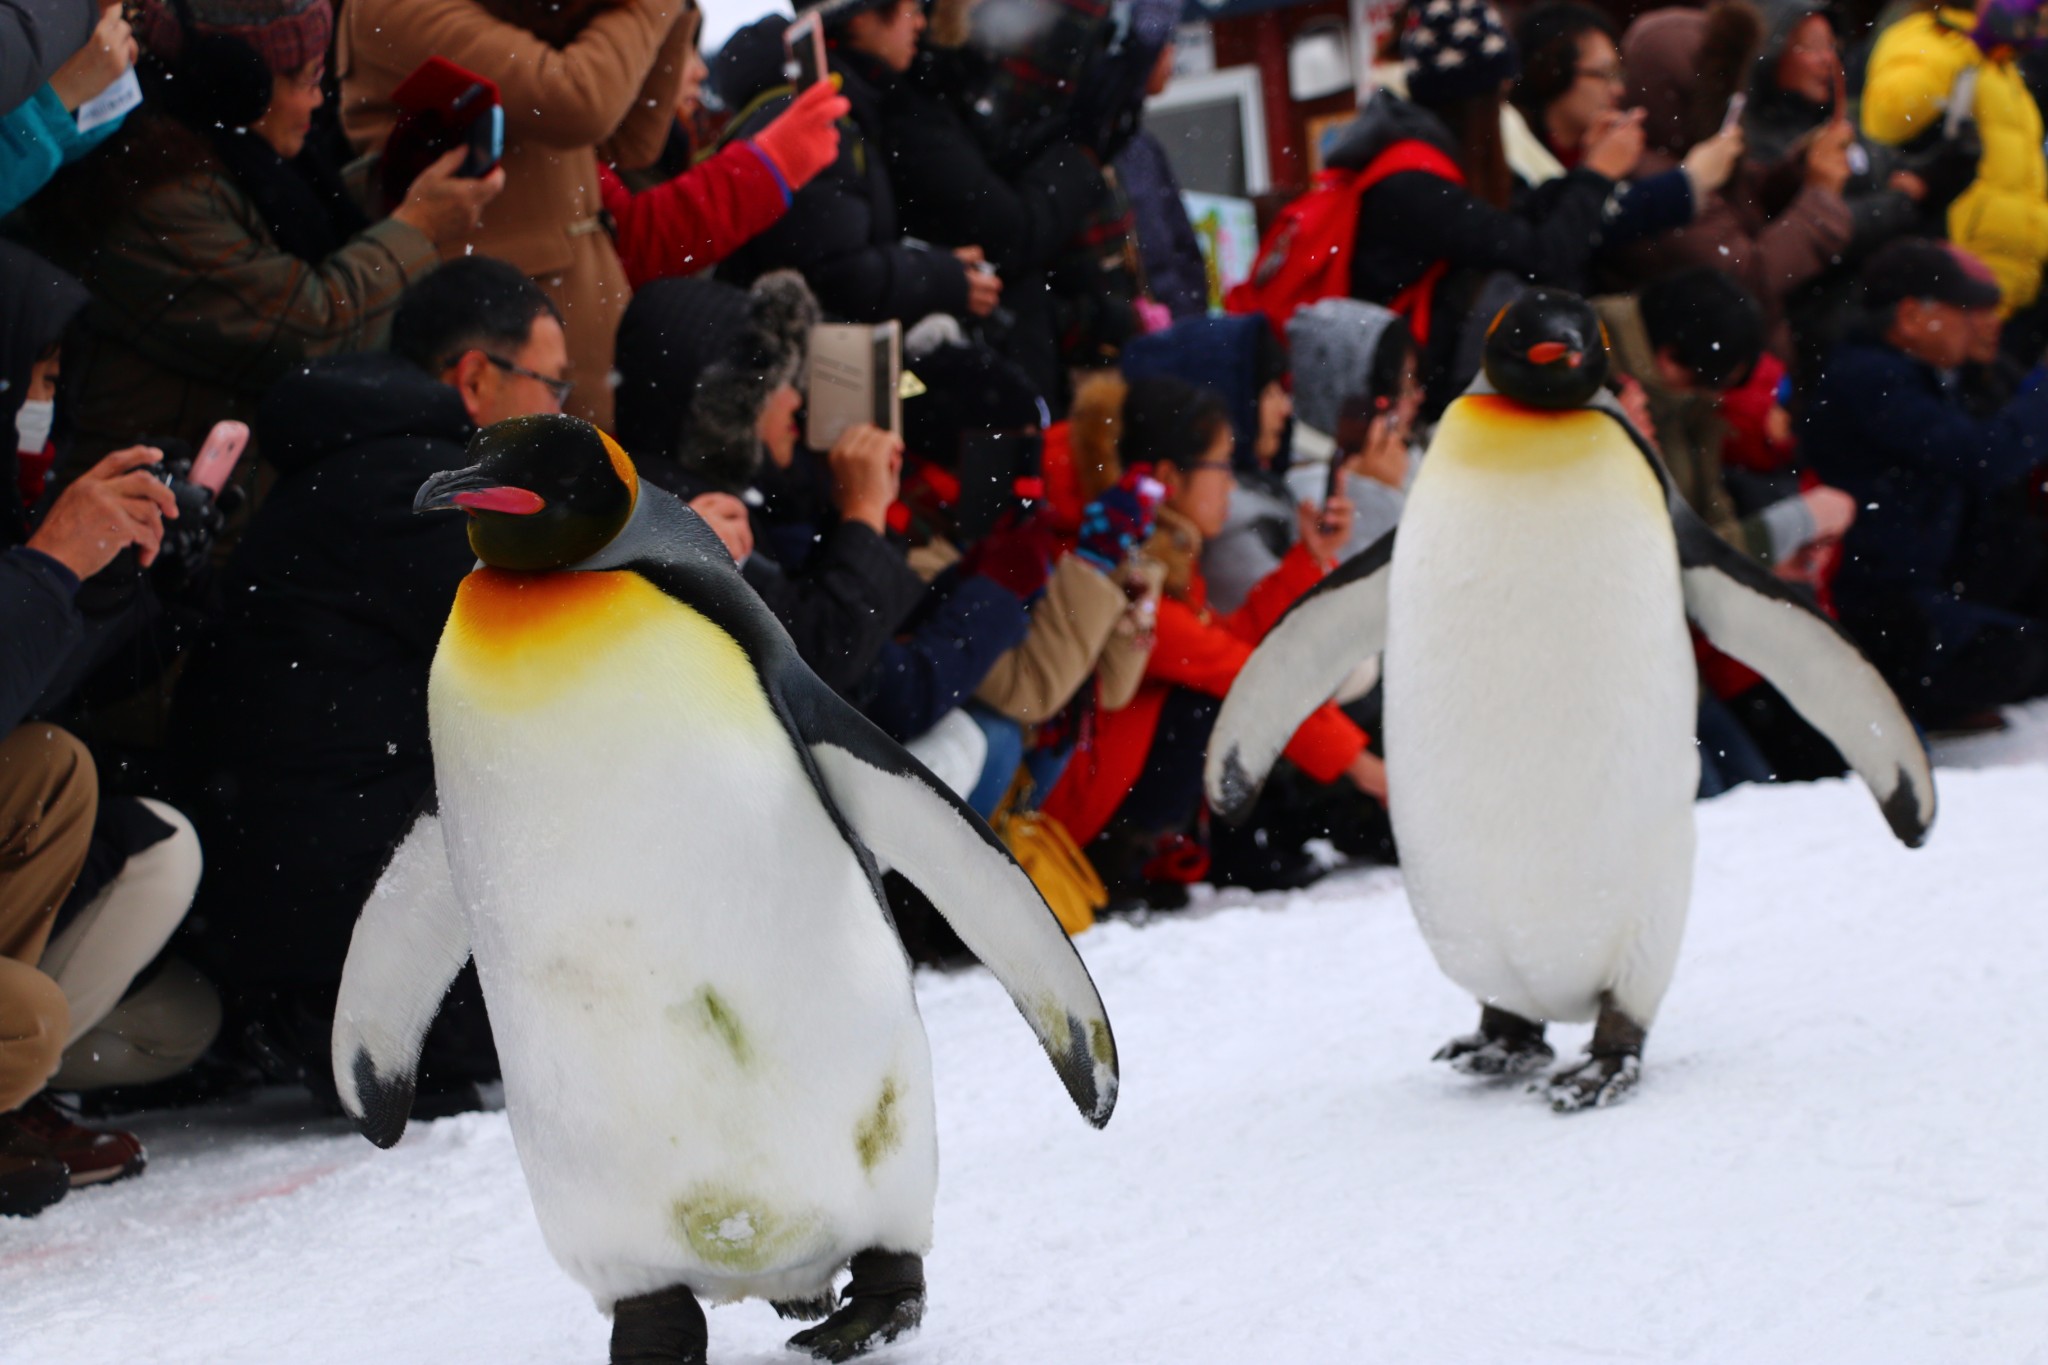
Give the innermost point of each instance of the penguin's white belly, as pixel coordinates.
(1541, 699)
(714, 1067)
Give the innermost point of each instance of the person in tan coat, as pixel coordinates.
(609, 90)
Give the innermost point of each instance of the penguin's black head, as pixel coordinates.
(1547, 349)
(541, 492)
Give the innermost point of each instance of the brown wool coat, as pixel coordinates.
(1073, 636)
(613, 87)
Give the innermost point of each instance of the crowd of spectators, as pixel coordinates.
(1817, 252)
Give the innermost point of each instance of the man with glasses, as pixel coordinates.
(302, 720)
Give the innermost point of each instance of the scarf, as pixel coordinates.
(303, 201)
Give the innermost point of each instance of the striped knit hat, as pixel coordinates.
(286, 33)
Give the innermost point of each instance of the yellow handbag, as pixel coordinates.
(1051, 858)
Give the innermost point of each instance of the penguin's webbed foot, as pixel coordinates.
(1594, 1083)
(663, 1328)
(803, 1310)
(1610, 1069)
(1506, 1045)
(884, 1300)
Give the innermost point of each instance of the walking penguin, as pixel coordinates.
(657, 834)
(1541, 695)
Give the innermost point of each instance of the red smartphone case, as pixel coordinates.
(439, 106)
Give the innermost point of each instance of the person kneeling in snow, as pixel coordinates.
(1139, 777)
(90, 890)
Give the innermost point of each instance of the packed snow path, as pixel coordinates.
(1835, 1155)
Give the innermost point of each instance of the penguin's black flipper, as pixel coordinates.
(1760, 620)
(409, 943)
(1328, 632)
(907, 817)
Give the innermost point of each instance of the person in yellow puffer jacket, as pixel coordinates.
(1917, 63)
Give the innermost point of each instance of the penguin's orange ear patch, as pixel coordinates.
(622, 465)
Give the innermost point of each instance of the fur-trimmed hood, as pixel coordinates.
(697, 361)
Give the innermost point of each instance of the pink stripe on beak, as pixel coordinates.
(516, 501)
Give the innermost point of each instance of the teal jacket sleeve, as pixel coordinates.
(38, 138)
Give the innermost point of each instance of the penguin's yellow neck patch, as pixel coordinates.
(1498, 436)
(1488, 431)
(520, 640)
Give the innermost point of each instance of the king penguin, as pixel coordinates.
(657, 834)
(1541, 696)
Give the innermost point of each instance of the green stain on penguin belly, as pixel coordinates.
(881, 1132)
(716, 1015)
(731, 1232)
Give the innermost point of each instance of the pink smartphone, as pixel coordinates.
(805, 41)
(216, 460)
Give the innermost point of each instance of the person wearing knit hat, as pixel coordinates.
(220, 246)
(1436, 212)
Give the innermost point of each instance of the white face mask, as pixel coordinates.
(32, 425)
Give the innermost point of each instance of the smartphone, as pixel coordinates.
(805, 42)
(1733, 117)
(486, 142)
(215, 463)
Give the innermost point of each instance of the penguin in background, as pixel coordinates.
(657, 835)
(1541, 699)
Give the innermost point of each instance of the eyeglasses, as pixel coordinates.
(1607, 75)
(559, 388)
(1200, 465)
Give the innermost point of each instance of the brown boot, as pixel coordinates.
(31, 1179)
(94, 1156)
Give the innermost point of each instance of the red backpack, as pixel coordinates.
(1307, 254)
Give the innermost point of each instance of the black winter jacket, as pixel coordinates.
(841, 232)
(1411, 220)
(300, 728)
(839, 589)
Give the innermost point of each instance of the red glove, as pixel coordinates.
(804, 138)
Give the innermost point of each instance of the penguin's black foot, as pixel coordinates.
(663, 1328)
(1506, 1045)
(803, 1310)
(884, 1300)
(1610, 1069)
(1594, 1083)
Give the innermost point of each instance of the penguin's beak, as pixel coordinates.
(471, 490)
(1550, 352)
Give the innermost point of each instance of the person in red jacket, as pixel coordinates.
(1139, 776)
(694, 220)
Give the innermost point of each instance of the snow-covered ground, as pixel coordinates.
(1837, 1153)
